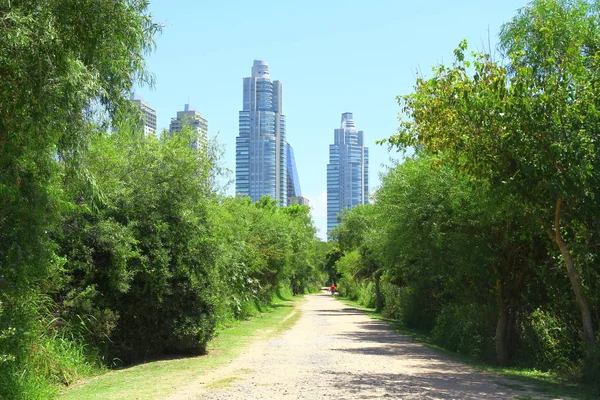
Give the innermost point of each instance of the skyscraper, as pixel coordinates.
(148, 116)
(294, 192)
(347, 171)
(261, 159)
(195, 120)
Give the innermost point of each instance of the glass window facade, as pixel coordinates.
(261, 147)
(293, 183)
(347, 171)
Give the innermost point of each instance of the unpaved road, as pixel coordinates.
(337, 352)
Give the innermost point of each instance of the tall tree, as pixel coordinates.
(357, 233)
(529, 127)
(65, 66)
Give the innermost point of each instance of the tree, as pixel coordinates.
(64, 66)
(302, 270)
(357, 233)
(529, 128)
(332, 256)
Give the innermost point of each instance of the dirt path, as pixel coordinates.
(337, 352)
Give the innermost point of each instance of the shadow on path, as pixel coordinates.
(428, 386)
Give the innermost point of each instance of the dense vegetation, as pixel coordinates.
(114, 247)
(117, 248)
(488, 236)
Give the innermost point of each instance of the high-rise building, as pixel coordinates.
(347, 171)
(294, 192)
(148, 116)
(189, 116)
(261, 157)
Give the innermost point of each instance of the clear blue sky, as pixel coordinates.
(331, 56)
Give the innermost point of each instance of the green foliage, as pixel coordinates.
(526, 128)
(514, 160)
(457, 260)
(114, 245)
(466, 329)
(64, 67)
(591, 369)
(261, 249)
(547, 341)
(140, 266)
(347, 266)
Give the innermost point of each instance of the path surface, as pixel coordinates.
(337, 352)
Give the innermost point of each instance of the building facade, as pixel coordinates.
(148, 116)
(347, 171)
(261, 156)
(194, 120)
(294, 193)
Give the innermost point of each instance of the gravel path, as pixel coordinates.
(337, 352)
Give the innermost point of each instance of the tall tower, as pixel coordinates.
(260, 157)
(196, 122)
(347, 171)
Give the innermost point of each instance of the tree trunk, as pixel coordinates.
(503, 321)
(378, 295)
(502, 353)
(586, 314)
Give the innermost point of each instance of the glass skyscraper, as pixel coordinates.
(261, 156)
(293, 185)
(294, 192)
(347, 171)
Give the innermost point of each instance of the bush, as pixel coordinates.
(366, 294)
(394, 300)
(466, 329)
(414, 307)
(547, 342)
(591, 366)
(348, 288)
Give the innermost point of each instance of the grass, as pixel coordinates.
(157, 379)
(223, 383)
(546, 383)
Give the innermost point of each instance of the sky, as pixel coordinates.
(331, 56)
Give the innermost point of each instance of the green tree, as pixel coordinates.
(302, 269)
(457, 246)
(139, 266)
(65, 66)
(357, 232)
(529, 128)
(332, 256)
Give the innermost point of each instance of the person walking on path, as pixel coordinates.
(332, 289)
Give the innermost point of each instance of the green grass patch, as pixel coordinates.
(157, 379)
(222, 383)
(547, 383)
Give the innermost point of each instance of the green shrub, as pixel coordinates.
(591, 366)
(547, 342)
(19, 378)
(413, 307)
(366, 294)
(348, 288)
(394, 298)
(466, 328)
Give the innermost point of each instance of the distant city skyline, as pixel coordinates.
(327, 68)
(347, 170)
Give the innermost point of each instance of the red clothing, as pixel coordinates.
(332, 287)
